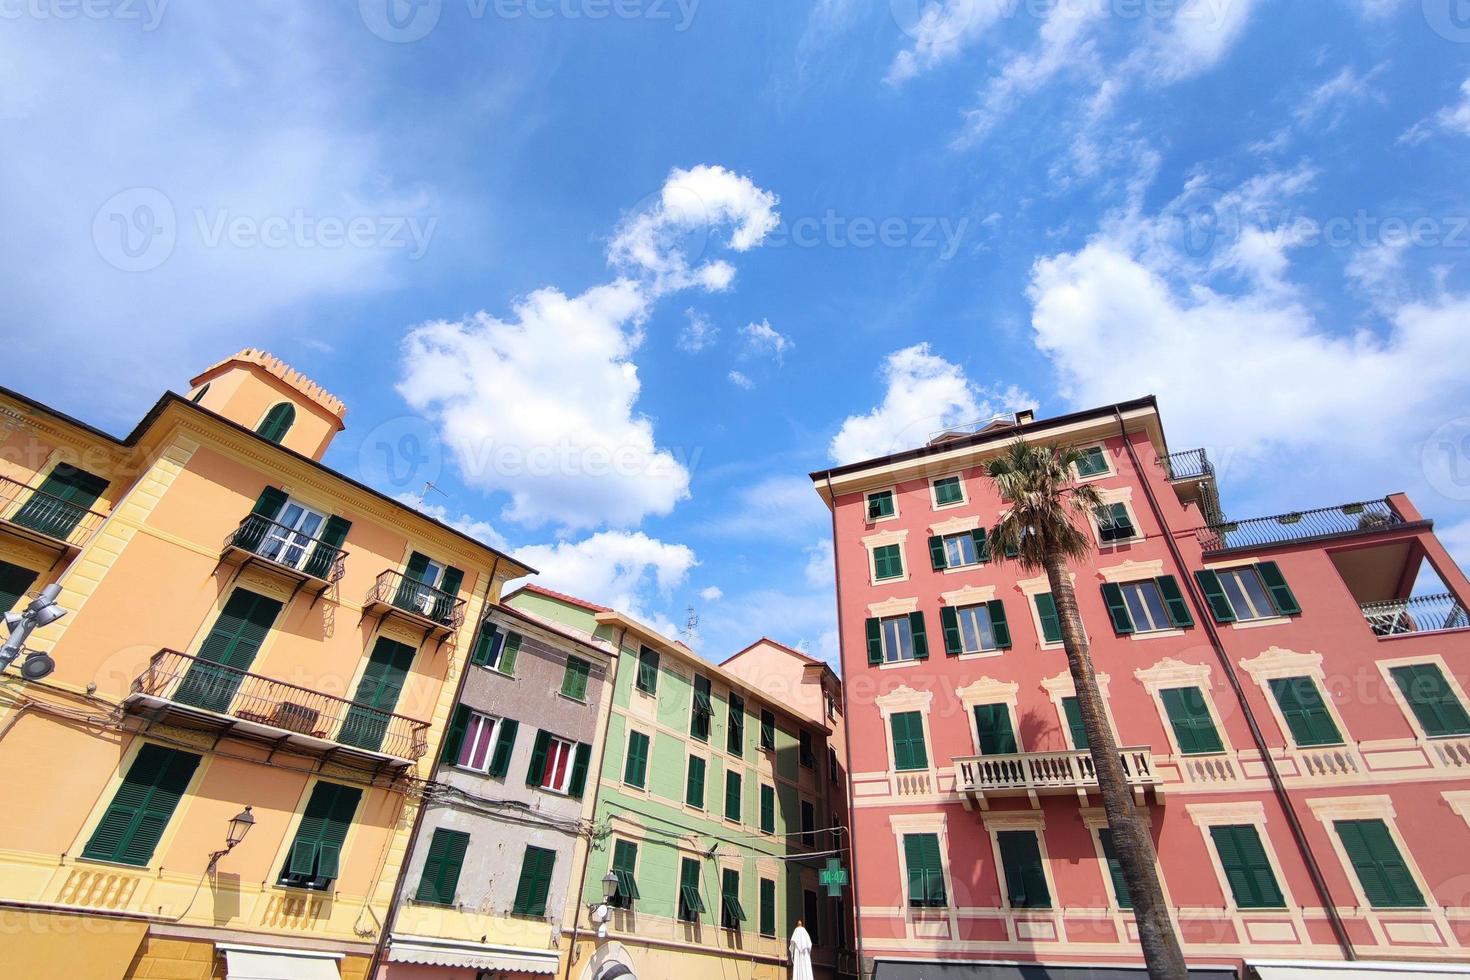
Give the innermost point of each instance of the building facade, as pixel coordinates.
(1287, 694)
(248, 631)
(711, 811)
(508, 814)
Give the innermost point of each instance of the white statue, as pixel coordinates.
(801, 953)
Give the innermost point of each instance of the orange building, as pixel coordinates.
(248, 631)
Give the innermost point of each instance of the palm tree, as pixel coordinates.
(1041, 531)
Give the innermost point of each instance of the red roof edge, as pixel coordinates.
(553, 594)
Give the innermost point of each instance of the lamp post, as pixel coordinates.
(599, 911)
(240, 825)
(42, 611)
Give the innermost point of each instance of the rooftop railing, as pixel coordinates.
(397, 590)
(288, 548)
(1306, 525)
(35, 510)
(1416, 614)
(1192, 464)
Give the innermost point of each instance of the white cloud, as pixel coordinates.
(628, 571)
(1378, 9)
(740, 380)
(761, 338)
(1454, 119)
(775, 507)
(698, 333)
(924, 393)
(1196, 38)
(820, 564)
(1338, 93)
(712, 593)
(481, 531)
(941, 31)
(1456, 539)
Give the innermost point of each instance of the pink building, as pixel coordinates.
(1286, 691)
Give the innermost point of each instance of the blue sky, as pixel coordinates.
(616, 275)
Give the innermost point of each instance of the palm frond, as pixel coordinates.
(1048, 508)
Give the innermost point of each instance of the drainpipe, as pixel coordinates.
(857, 918)
(1278, 786)
(617, 659)
(381, 946)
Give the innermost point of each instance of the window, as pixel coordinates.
(1115, 868)
(1092, 461)
(925, 873)
(428, 588)
(1114, 524)
(805, 755)
(648, 671)
(366, 723)
(1378, 864)
(315, 856)
(574, 681)
(810, 909)
(1433, 702)
(1189, 716)
(768, 809)
(15, 581)
(1251, 592)
(277, 422)
(199, 395)
(735, 730)
(958, 550)
(59, 504)
(808, 824)
(635, 767)
(881, 505)
(1252, 882)
(1051, 620)
(768, 729)
(694, 783)
(1072, 710)
(701, 710)
(908, 741)
(558, 765)
(887, 562)
(442, 866)
(496, 650)
(1307, 717)
(833, 768)
(484, 743)
(535, 882)
(897, 639)
(228, 651)
(290, 536)
(831, 703)
(1025, 878)
(624, 866)
(948, 491)
(975, 629)
(993, 728)
(767, 907)
(142, 806)
(731, 912)
(1147, 606)
(691, 906)
(732, 796)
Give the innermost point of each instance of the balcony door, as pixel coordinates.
(214, 677)
(418, 591)
(61, 502)
(377, 695)
(289, 540)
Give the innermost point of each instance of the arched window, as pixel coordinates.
(200, 393)
(277, 422)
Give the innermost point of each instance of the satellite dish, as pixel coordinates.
(37, 666)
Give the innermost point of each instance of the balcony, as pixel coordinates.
(193, 693)
(395, 594)
(1365, 517)
(1416, 614)
(43, 519)
(986, 777)
(1193, 477)
(312, 563)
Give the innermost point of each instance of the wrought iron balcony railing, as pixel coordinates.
(51, 517)
(180, 679)
(1045, 772)
(397, 591)
(1192, 464)
(1307, 525)
(288, 548)
(1416, 614)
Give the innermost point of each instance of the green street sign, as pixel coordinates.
(834, 876)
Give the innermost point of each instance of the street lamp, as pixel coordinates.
(42, 611)
(600, 912)
(240, 825)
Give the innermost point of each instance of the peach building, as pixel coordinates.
(1288, 693)
(249, 632)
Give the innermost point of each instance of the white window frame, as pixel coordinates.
(906, 624)
(1247, 813)
(1169, 673)
(898, 701)
(1022, 821)
(987, 690)
(960, 536)
(934, 503)
(1112, 469)
(1242, 616)
(976, 610)
(479, 719)
(1142, 585)
(1124, 496)
(1385, 668)
(563, 785)
(874, 492)
(1331, 809)
(276, 533)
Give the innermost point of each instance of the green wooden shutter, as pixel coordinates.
(1020, 856)
(999, 626)
(377, 695)
(993, 721)
(921, 642)
(768, 729)
(448, 594)
(925, 871)
(505, 743)
(267, 508)
(936, 554)
(574, 679)
(694, 783)
(1072, 708)
(1219, 602)
(701, 709)
(982, 548)
(691, 906)
(949, 622)
(624, 868)
(1112, 594)
(324, 552)
(768, 809)
(413, 574)
(15, 581)
(315, 857)
(537, 768)
(1190, 718)
(909, 751)
(1121, 526)
(731, 911)
(875, 642)
(140, 809)
(648, 671)
(277, 422)
(1115, 869)
(509, 654)
(483, 653)
(1051, 622)
(535, 883)
(735, 729)
(580, 760)
(635, 766)
(459, 723)
(1179, 614)
(732, 795)
(1307, 717)
(59, 504)
(1380, 867)
(230, 648)
(767, 907)
(1440, 713)
(1247, 869)
(442, 866)
(1281, 595)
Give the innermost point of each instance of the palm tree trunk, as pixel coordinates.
(1132, 841)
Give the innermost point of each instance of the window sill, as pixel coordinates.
(1251, 624)
(1157, 634)
(981, 655)
(954, 506)
(895, 580)
(113, 864)
(582, 701)
(954, 569)
(496, 671)
(1121, 542)
(899, 664)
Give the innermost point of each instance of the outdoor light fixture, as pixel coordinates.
(42, 611)
(240, 825)
(609, 886)
(599, 911)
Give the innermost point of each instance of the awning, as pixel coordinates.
(271, 963)
(54, 944)
(990, 970)
(1358, 970)
(429, 951)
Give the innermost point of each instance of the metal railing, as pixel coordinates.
(1305, 525)
(35, 510)
(401, 592)
(186, 680)
(289, 548)
(1192, 464)
(1416, 614)
(1041, 771)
